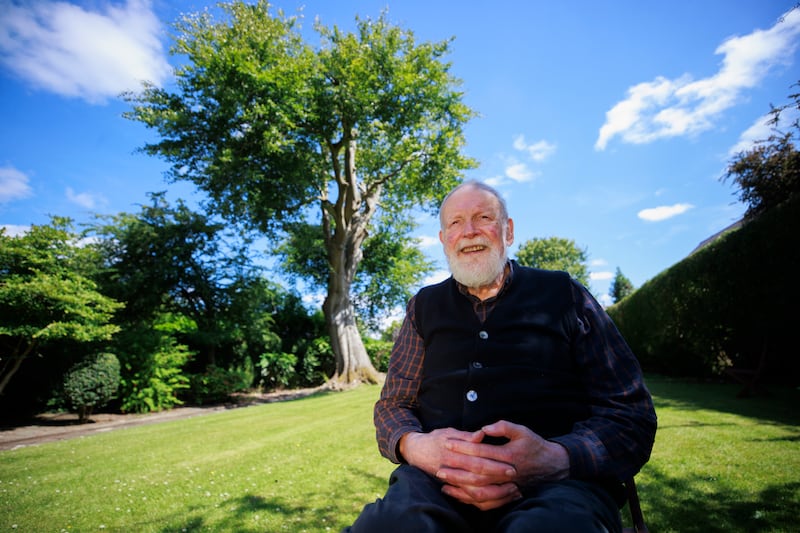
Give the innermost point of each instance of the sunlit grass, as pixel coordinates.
(719, 464)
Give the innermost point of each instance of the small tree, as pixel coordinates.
(91, 383)
(555, 253)
(44, 296)
(769, 173)
(620, 287)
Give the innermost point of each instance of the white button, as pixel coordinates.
(483, 335)
(472, 396)
(477, 364)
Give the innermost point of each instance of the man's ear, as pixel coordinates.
(441, 237)
(510, 232)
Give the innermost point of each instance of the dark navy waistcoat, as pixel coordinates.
(516, 366)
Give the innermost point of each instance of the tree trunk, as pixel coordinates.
(11, 366)
(345, 224)
(353, 365)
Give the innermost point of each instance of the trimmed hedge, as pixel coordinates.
(92, 383)
(723, 305)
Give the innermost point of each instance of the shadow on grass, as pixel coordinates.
(252, 513)
(705, 505)
(779, 406)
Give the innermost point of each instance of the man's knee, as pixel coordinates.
(571, 506)
(413, 502)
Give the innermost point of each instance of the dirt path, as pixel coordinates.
(49, 427)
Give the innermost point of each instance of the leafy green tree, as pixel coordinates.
(45, 298)
(171, 259)
(278, 132)
(555, 253)
(620, 286)
(769, 173)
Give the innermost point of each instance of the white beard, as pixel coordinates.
(478, 274)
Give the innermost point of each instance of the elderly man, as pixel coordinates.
(512, 403)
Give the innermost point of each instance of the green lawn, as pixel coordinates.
(719, 464)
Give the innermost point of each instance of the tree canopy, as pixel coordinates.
(555, 253)
(768, 174)
(621, 286)
(285, 136)
(45, 295)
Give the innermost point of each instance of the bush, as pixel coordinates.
(217, 384)
(92, 383)
(277, 369)
(379, 352)
(153, 372)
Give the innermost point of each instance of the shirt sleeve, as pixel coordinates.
(617, 438)
(395, 410)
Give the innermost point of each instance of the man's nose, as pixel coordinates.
(469, 228)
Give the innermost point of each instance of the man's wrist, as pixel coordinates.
(403, 445)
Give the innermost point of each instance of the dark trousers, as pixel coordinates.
(415, 503)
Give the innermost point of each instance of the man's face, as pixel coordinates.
(474, 237)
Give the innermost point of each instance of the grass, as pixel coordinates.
(719, 464)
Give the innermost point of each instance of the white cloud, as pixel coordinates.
(13, 230)
(538, 151)
(519, 172)
(84, 199)
(495, 181)
(13, 184)
(605, 300)
(667, 108)
(598, 262)
(427, 241)
(657, 214)
(601, 276)
(71, 51)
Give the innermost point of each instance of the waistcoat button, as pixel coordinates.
(472, 396)
(483, 335)
(477, 364)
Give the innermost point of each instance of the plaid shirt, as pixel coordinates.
(615, 441)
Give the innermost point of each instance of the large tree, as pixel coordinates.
(279, 132)
(555, 253)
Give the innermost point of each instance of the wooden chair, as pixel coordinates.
(635, 509)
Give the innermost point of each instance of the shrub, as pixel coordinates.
(277, 369)
(92, 383)
(379, 352)
(217, 384)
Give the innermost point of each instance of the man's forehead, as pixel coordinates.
(470, 198)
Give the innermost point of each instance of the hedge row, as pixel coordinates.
(724, 304)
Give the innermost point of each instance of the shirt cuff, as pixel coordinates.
(586, 453)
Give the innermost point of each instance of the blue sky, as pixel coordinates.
(609, 122)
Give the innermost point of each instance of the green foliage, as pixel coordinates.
(92, 383)
(45, 296)
(555, 253)
(621, 286)
(283, 136)
(379, 353)
(723, 305)
(216, 384)
(152, 368)
(277, 369)
(769, 173)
